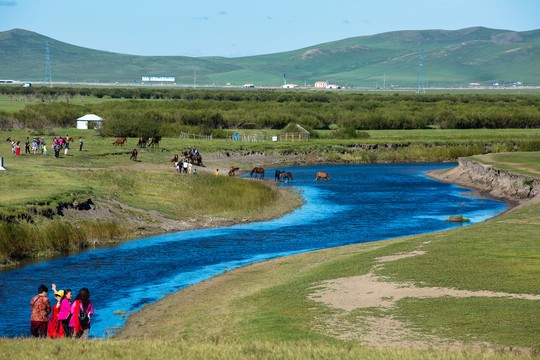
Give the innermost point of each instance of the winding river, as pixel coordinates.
(360, 203)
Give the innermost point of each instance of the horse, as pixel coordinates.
(194, 158)
(134, 155)
(120, 141)
(155, 141)
(287, 175)
(232, 171)
(257, 170)
(174, 158)
(142, 142)
(322, 176)
(277, 176)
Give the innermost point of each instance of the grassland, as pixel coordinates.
(138, 197)
(266, 310)
(38, 188)
(273, 300)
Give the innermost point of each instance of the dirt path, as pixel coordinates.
(375, 291)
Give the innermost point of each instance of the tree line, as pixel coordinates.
(172, 111)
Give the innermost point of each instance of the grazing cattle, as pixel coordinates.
(277, 176)
(322, 176)
(134, 154)
(120, 141)
(174, 158)
(257, 170)
(232, 171)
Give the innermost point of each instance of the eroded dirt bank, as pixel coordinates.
(495, 183)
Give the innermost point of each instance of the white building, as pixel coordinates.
(333, 86)
(289, 86)
(321, 84)
(82, 122)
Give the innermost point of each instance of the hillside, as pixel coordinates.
(478, 55)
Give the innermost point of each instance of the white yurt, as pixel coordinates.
(82, 122)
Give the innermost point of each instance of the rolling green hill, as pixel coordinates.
(472, 55)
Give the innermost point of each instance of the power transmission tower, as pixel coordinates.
(47, 78)
(420, 87)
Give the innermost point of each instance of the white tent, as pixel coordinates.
(82, 122)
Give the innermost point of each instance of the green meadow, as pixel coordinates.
(270, 310)
(265, 310)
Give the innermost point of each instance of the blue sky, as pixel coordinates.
(234, 28)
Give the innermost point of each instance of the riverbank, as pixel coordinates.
(472, 288)
(515, 189)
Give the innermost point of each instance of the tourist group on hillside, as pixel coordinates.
(67, 319)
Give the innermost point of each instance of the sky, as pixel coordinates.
(234, 28)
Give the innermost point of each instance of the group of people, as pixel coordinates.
(67, 318)
(185, 166)
(58, 144)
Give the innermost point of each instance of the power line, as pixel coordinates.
(47, 78)
(420, 87)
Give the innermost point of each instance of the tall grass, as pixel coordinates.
(22, 240)
(238, 350)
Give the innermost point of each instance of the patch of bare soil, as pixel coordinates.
(374, 291)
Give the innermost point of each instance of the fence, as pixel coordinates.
(184, 135)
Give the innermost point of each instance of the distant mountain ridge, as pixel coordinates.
(472, 55)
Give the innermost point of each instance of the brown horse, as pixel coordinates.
(194, 158)
(322, 176)
(257, 170)
(286, 175)
(134, 155)
(155, 142)
(232, 171)
(142, 142)
(174, 158)
(120, 141)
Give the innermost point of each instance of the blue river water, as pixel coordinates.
(360, 203)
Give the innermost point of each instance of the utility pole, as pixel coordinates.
(47, 78)
(420, 86)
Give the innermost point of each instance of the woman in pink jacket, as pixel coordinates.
(80, 325)
(65, 312)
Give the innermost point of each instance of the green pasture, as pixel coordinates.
(262, 310)
(527, 163)
(37, 184)
(13, 103)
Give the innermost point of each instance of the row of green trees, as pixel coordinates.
(211, 111)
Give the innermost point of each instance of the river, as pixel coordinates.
(360, 203)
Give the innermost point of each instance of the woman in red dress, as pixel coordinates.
(54, 328)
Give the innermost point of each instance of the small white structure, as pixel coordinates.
(82, 122)
(333, 86)
(288, 86)
(321, 84)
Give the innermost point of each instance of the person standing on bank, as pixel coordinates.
(80, 144)
(27, 146)
(80, 323)
(65, 312)
(55, 328)
(41, 307)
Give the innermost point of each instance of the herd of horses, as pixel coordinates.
(285, 176)
(143, 141)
